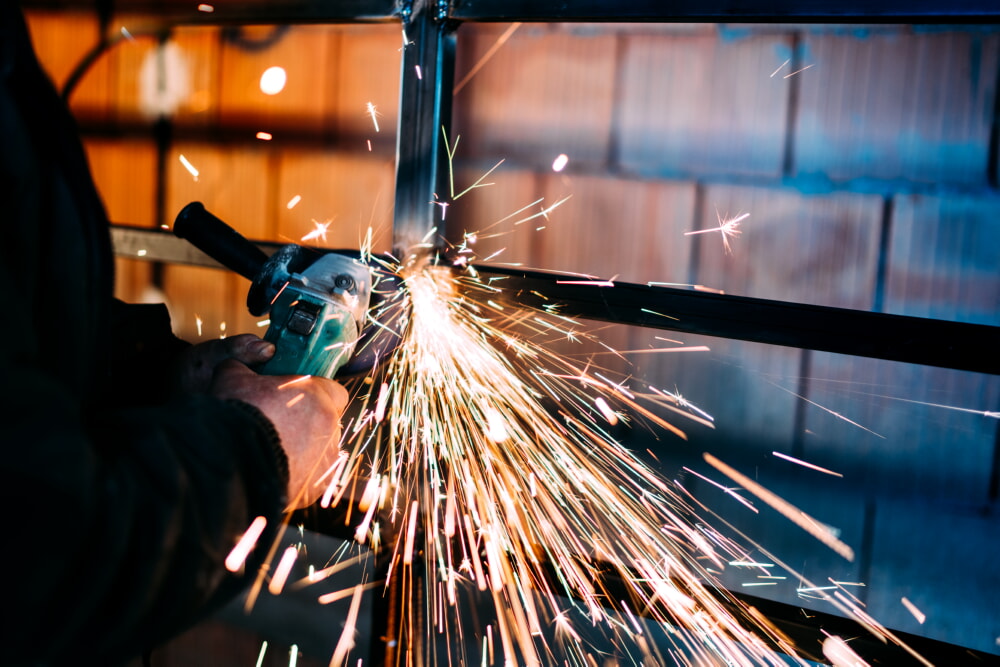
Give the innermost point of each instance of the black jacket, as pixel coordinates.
(119, 504)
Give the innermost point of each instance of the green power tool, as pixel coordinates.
(332, 313)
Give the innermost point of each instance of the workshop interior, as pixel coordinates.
(785, 220)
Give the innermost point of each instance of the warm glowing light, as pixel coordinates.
(293, 202)
(273, 80)
(190, 167)
(264, 136)
(560, 162)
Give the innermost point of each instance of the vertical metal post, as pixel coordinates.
(426, 81)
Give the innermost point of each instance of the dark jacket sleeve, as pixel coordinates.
(118, 513)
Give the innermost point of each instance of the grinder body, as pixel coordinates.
(316, 317)
(319, 302)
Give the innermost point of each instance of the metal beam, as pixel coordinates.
(239, 12)
(779, 11)
(428, 69)
(915, 340)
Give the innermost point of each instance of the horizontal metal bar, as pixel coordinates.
(914, 340)
(240, 12)
(779, 11)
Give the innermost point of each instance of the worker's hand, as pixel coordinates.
(195, 367)
(305, 411)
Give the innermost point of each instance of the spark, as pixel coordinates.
(295, 400)
(653, 312)
(780, 67)
(728, 227)
(208, 9)
(985, 413)
(560, 162)
(790, 512)
(127, 35)
(486, 57)
(264, 136)
(293, 655)
(811, 466)
(606, 410)
(369, 142)
(282, 571)
(293, 202)
(319, 231)
(198, 323)
(234, 561)
(373, 112)
(263, 651)
(190, 167)
(346, 641)
(485, 460)
(593, 283)
(141, 252)
(840, 654)
(420, 73)
(787, 76)
(912, 608)
(828, 410)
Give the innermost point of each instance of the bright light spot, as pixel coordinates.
(238, 556)
(141, 253)
(127, 35)
(264, 136)
(272, 81)
(190, 167)
(496, 430)
(560, 162)
(208, 9)
(281, 572)
(293, 201)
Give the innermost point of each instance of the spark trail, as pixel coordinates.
(492, 460)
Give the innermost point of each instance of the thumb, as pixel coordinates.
(248, 349)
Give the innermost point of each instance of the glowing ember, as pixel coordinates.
(238, 556)
(190, 167)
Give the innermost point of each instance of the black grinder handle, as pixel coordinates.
(218, 240)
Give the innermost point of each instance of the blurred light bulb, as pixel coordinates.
(272, 81)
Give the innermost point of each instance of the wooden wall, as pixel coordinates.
(864, 155)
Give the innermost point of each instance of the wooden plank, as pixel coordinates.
(124, 173)
(366, 65)
(915, 106)
(352, 192)
(701, 104)
(557, 94)
(792, 247)
(61, 39)
(231, 184)
(944, 261)
(304, 52)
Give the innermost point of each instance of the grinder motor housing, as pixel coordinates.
(318, 301)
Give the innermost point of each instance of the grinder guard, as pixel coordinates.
(332, 312)
(317, 315)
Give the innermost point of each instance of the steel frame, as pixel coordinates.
(425, 106)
